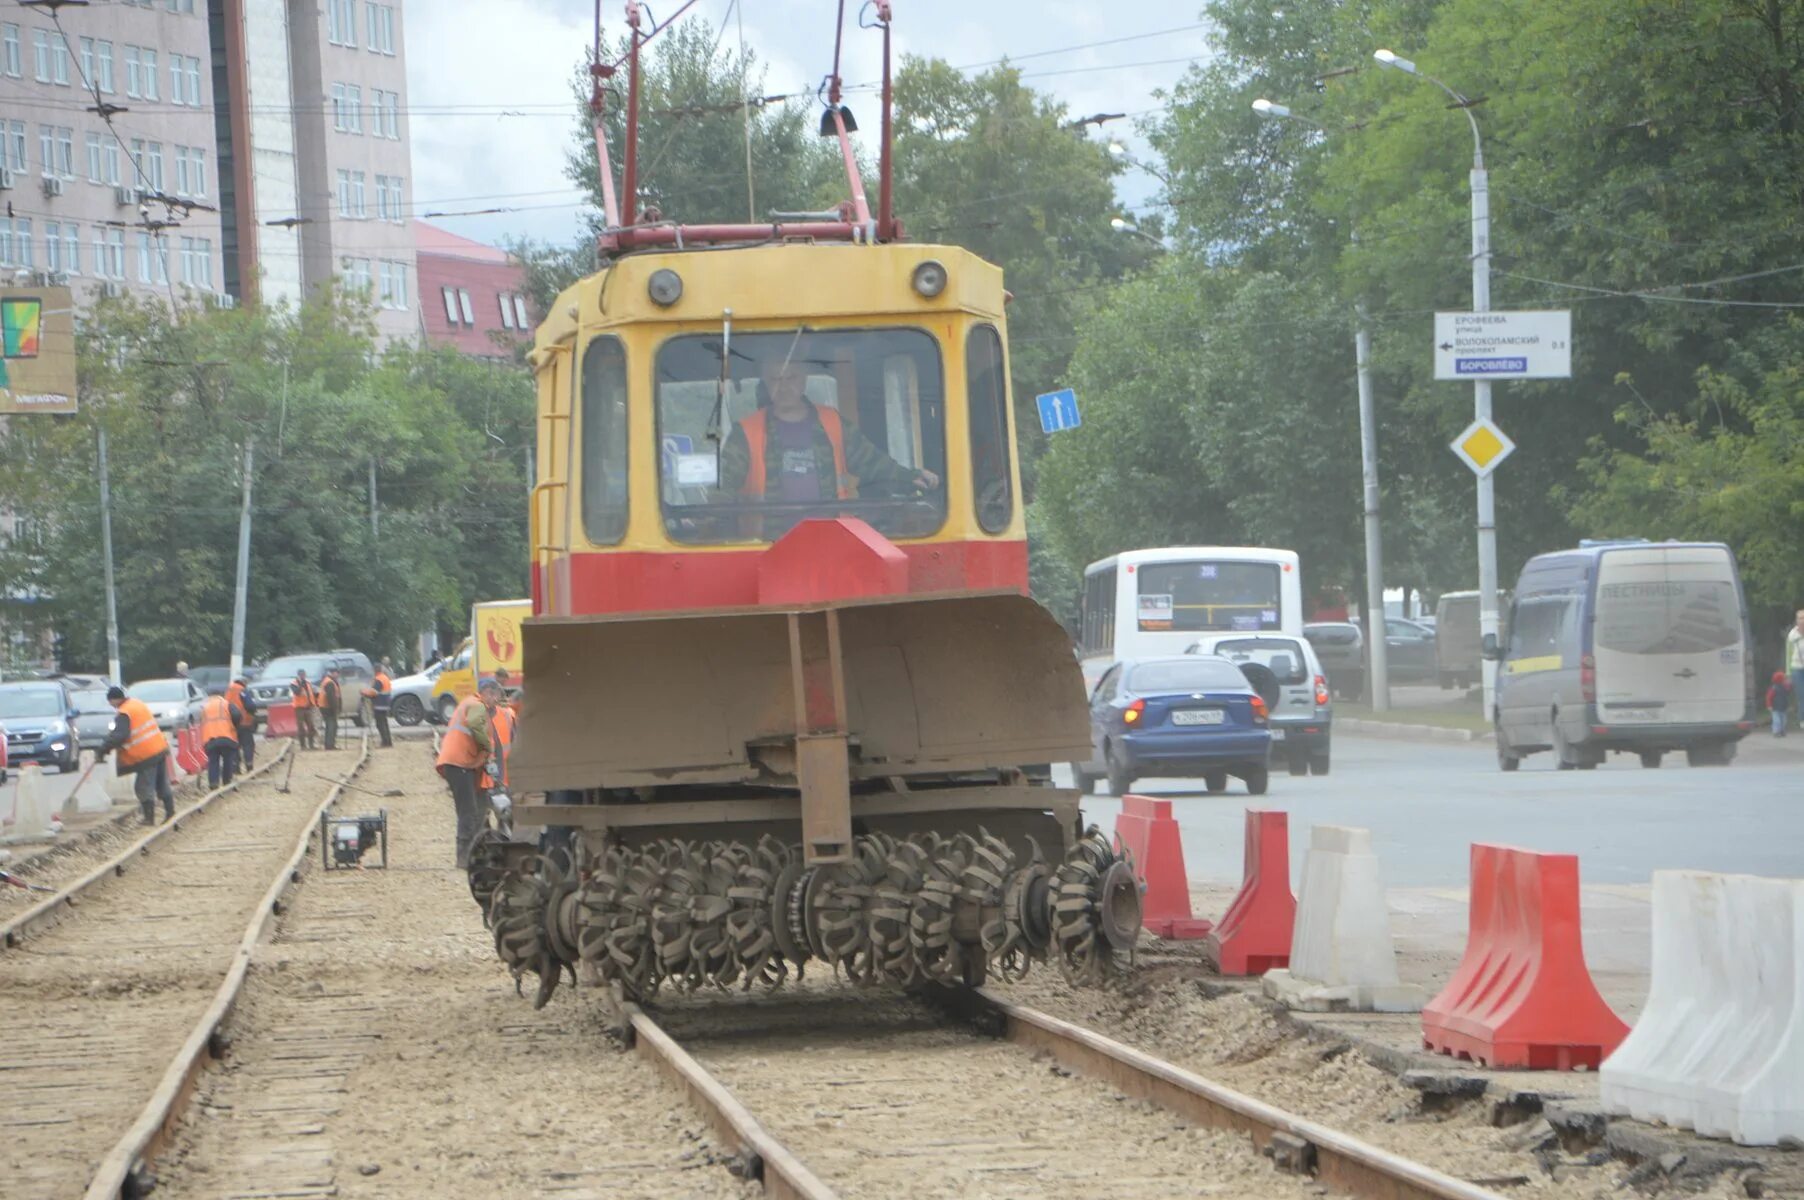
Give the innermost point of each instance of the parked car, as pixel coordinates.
(354, 673)
(3, 759)
(1409, 651)
(175, 703)
(1634, 647)
(1341, 649)
(1457, 661)
(93, 715)
(1287, 675)
(37, 718)
(210, 679)
(412, 696)
(1175, 718)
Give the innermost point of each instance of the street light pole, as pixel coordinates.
(106, 551)
(1488, 623)
(1378, 675)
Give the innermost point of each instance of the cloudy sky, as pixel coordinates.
(491, 107)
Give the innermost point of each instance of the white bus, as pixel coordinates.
(1150, 602)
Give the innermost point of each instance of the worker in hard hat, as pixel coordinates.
(462, 754)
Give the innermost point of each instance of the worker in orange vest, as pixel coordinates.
(462, 754)
(504, 720)
(331, 703)
(306, 699)
(219, 738)
(244, 720)
(377, 693)
(792, 451)
(143, 753)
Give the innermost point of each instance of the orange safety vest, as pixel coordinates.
(381, 684)
(216, 721)
(757, 437)
(241, 716)
(329, 694)
(306, 697)
(501, 728)
(458, 747)
(145, 741)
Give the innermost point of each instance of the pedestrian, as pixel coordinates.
(181, 670)
(143, 754)
(306, 700)
(219, 738)
(1778, 702)
(378, 694)
(331, 702)
(244, 719)
(462, 754)
(1794, 661)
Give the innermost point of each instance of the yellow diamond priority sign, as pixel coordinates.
(1482, 446)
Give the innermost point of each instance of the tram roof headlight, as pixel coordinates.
(665, 287)
(930, 278)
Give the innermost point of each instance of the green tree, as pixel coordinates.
(179, 395)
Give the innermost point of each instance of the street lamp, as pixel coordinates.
(1379, 675)
(1481, 388)
(1123, 225)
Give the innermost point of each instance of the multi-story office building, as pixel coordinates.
(241, 148)
(107, 202)
(338, 173)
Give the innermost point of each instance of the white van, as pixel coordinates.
(1635, 647)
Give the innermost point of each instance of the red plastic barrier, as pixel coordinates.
(1253, 936)
(1522, 996)
(1146, 831)
(188, 752)
(279, 721)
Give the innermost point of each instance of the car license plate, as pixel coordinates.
(1199, 716)
(1631, 714)
(1277, 735)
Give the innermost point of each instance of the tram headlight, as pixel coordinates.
(930, 278)
(665, 287)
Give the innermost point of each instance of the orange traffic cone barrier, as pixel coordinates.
(1146, 831)
(1522, 995)
(188, 753)
(1253, 936)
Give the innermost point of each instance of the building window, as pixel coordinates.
(71, 256)
(53, 246)
(154, 162)
(344, 192)
(520, 310)
(112, 162)
(182, 6)
(65, 152)
(380, 19)
(40, 53)
(96, 159)
(12, 59)
(507, 310)
(388, 198)
(197, 263)
(463, 304)
(353, 108)
(150, 72)
(47, 148)
(87, 63)
(357, 205)
(15, 242)
(103, 61)
(109, 252)
(392, 285)
(153, 257)
(341, 22)
(385, 114)
(134, 73)
(357, 276)
(450, 304)
(338, 107)
(15, 146)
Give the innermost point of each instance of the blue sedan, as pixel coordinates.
(1154, 718)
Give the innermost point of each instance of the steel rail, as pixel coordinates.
(14, 930)
(761, 1156)
(1340, 1161)
(120, 1173)
(1337, 1160)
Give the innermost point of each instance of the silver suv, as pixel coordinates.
(1288, 676)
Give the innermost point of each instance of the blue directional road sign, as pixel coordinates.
(1058, 410)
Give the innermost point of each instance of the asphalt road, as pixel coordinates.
(1426, 802)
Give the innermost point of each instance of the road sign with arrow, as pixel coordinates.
(1503, 345)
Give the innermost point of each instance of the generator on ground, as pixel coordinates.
(344, 841)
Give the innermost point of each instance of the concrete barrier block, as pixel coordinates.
(91, 794)
(32, 809)
(1719, 1047)
(1342, 958)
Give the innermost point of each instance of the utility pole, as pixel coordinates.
(244, 565)
(106, 550)
(374, 526)
(1378, 678)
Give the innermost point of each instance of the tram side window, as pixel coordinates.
(988, 398)
(604, 441)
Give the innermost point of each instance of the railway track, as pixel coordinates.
(828, 1095)
(104, 982)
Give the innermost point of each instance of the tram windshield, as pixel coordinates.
(801, 423)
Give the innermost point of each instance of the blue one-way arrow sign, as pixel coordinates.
(1058, 410)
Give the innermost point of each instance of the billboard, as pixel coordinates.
(37, 350)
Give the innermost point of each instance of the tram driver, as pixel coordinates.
(793, 451)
